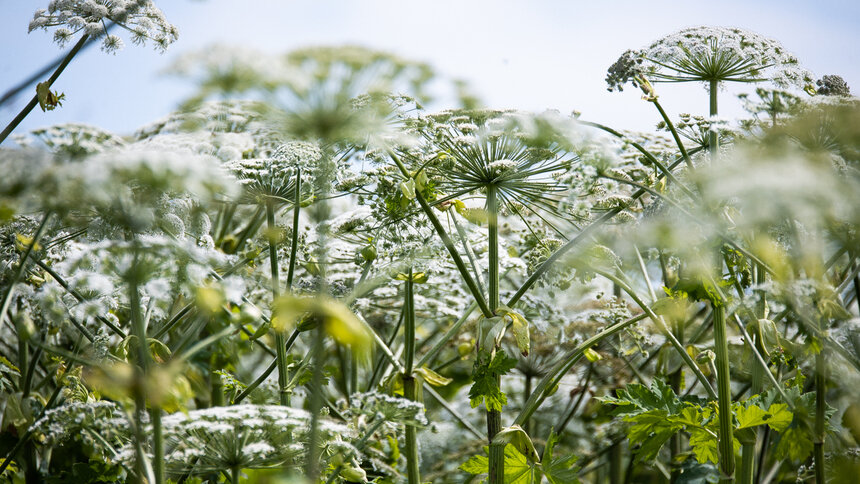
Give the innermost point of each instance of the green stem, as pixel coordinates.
(468, 249)
(157, 444)
(412, 471)
(713, 136)
(280, 340)
(494, 417)
(449, 244)
(665, 330)
(268, 371)
(234, 475)
(674, 132)
(820, 408)
(32, 104)
(294, 239)
(409, 328)
(721, 348)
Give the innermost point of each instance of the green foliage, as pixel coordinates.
(485, 374)
(656, 413)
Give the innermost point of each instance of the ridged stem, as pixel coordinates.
(494, 417)
(724, 396)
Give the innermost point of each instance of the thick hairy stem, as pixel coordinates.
(412, 473)
(409, 383)
(33, 102)
(820, 408)
(494, 417)
(157, 444)
(724, 393)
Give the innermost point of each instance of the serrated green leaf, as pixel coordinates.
(485, 376)
(477, 464)
(651, 430)
(636, 398)
(778, 417)
(558, 470)
(705, 446)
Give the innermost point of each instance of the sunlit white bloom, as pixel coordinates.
(140, 17)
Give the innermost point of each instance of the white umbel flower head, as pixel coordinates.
(711, 54)
(140, 17)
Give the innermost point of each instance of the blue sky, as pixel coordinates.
(531, 55)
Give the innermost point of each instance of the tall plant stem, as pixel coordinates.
(494, 417)
(748, 451)
(713, 136)
(409, 382)
(820, 408)
(724, 396)
(138, 326)
(280, 340)
(32, 104)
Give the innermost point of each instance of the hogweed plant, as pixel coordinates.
(677, 305)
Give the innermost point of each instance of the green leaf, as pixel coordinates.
(431, 377)
(651, 430)
(558, 470)
(518, 470)
(516, 436)
(704, 445)
(519, 326)
(778, 417)
(485, 376)
(636, 398)
(794, 443)
(477, 464)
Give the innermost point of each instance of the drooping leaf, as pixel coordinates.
(431, 377)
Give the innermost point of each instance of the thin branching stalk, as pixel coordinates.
(574, 241)
(674, 132)
(449, 245)
(33, 102)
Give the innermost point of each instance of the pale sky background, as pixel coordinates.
(531, 55)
